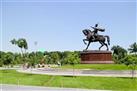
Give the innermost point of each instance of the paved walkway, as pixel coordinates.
(86, 72)
(38, 88)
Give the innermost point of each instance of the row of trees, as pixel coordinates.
(34, 58)
(120, 55)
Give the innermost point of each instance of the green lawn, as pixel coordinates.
(98, 66)
(108, 83)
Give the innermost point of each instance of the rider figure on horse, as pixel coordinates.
(92, 36)
(95, 31)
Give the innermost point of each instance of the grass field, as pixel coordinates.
(98, 66)
(108, 83)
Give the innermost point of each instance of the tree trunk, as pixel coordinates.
(24, 66)
(73, 71)
(22, 52)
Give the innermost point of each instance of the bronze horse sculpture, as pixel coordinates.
(99, 38)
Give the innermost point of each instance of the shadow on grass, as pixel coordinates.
(29, 74)
(70, 76)
(135, 78)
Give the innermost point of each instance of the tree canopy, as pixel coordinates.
(133, 48)
(118, 53)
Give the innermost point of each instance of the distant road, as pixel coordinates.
(79, 72)
(38, 88)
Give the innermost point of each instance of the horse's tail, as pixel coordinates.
(108, 39)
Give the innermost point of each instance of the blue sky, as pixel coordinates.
(57, 25)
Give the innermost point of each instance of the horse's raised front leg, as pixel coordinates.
(84, 41)
(88, 45)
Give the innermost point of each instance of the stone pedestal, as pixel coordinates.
(96, 57)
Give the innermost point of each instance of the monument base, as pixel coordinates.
(96, 57)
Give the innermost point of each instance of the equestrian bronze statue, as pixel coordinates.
(93, 36)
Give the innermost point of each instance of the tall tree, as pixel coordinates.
(22, 44)
(133, 48)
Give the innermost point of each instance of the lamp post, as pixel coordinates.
(35, 43)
